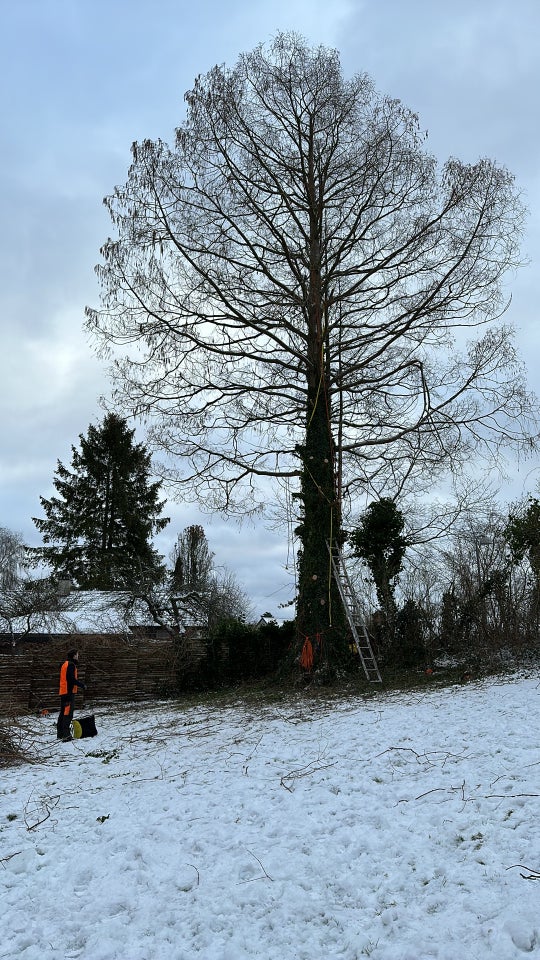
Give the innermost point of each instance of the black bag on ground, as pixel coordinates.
(87, 725)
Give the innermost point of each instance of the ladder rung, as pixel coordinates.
(356, 623)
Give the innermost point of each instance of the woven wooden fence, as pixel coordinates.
(111, 669)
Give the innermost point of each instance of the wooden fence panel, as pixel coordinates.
(112, 671)
(156, 674)
(110, 675)
(15, 683)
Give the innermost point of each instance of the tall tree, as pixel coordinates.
(294, 276)
(211, 593)
(192, 560)
(98, 529)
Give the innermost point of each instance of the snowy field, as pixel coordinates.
(401, 827)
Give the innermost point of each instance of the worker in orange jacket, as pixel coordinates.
(69, 680)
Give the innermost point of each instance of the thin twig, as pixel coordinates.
(251, 879)
(10, 857)
(48, 803)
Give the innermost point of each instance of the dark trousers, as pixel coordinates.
(67, 702)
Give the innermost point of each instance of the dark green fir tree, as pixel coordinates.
(98, 530)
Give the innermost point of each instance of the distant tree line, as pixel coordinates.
(471, 596)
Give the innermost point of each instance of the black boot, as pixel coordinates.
(65, 731)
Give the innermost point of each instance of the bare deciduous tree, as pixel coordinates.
(225, 599)
(291, 284)
(196, 592)
(12, 557)
(28, 604)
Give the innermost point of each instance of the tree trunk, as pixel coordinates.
(320, 614)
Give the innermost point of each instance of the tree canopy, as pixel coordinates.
(192, 560)
(97, 531)
(380, 542)
(523, 535)
(212, 592)
(289, 287)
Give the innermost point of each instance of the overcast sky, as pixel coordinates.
(83, 79)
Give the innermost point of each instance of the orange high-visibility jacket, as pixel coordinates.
(68, 677)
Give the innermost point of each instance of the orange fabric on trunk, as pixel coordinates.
(306, 657)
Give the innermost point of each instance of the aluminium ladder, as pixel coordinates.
(354, 616)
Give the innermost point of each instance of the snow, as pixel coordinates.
(396, 827)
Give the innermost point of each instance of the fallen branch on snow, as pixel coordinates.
(266, 876)
(306, 771)
(531, 875)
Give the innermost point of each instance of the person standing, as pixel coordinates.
(69, 680)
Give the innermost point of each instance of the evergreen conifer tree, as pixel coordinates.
(97, 531)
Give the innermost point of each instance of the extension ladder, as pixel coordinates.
(354, 615)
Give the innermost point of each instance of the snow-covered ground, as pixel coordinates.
(400, 827)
